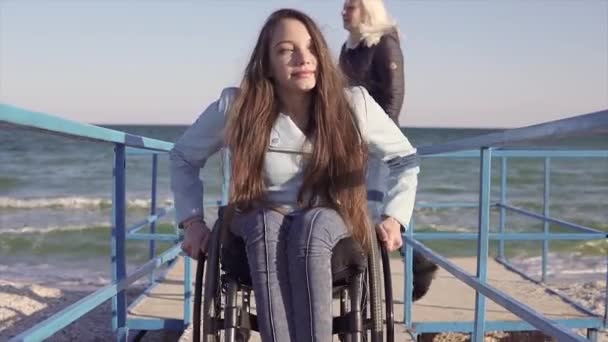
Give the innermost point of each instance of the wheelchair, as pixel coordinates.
(361, 282)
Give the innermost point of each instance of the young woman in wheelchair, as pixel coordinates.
(299, 141)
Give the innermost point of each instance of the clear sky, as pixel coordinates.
(477, 63)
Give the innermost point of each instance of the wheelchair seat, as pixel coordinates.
(348, 259)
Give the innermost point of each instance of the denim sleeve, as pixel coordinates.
(387, 142)
(189, 154)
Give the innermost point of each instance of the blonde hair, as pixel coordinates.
(375, 23)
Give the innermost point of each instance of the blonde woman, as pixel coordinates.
(371, 56)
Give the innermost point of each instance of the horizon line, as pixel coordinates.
(400, 126)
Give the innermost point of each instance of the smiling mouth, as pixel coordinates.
(302, 74)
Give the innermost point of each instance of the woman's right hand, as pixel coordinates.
(196, 237)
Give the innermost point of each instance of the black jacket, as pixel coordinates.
(379, 69)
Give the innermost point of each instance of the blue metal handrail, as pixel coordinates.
(497, 145)
(477, 329)
(589, 124)
(520, 153)
(14, 116)
(53, 124)
(520, 309)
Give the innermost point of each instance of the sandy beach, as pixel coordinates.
(26, 298)
(24, 305)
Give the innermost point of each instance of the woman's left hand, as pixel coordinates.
(389, 232)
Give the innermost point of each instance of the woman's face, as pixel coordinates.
(352, 14)
(293, 61)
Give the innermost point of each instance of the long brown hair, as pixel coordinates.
(335, 170)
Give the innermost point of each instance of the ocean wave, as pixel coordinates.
(73, 202)
(49, 229)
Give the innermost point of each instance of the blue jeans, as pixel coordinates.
(289, 259)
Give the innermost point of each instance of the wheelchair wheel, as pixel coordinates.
(364, 304)
(212, 295)
(375, 292)
(198, 296)
(388, 294)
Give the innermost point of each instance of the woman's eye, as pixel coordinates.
(312, 50)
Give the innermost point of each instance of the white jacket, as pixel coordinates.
(283, 169)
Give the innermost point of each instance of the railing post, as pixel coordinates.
(187, 291)
(226, 174)
(408, 263)
(119, 272)
(152, 249)
(606, 298)
(503, 200)
(592, 335)
(482, 240)
(546, 206)
(187, 288)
